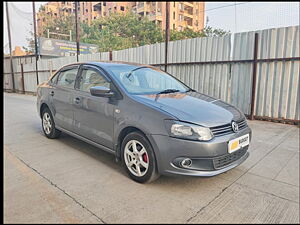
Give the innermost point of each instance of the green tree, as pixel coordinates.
(116, 31)
(62, 25)
(188, 33)
(30, 48)
(121, 31)
(214, 32)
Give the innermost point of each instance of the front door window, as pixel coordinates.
(91, 78)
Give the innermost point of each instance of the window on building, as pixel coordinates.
(173, 15)
(122, 8)
(180, 6)
(180, 17)
(173, 26)
(174, 4)
(159, 23)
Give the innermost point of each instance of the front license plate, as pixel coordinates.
(238, 143)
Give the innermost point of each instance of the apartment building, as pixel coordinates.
(182, 14)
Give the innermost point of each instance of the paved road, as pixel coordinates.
(69, 181)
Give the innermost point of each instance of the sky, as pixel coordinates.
(231, 16)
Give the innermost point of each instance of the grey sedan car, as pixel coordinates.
(152, 122)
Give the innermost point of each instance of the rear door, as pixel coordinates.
(94, 116)
(62, 97)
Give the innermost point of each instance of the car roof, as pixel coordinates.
(106, 64)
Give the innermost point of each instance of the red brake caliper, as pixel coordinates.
(145, 157)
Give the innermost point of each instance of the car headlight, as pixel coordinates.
(188, 131)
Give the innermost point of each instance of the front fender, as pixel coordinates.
(133, 114)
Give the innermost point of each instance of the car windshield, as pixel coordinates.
(145, 80)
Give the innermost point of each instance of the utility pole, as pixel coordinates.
(10, 51)
(35, 43)
(167, 33)
(77, 30)
(254, 76)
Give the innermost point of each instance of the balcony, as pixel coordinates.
(140, 6)
(134, 9)
(152, 16)
(182, 23)
(190, 4)
(190, 27)
(188, 15)
(155, 16)
(189, 21)
(188, 11)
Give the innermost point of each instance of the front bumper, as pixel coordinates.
(208, 158)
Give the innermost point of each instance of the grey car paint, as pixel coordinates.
(61, 103)
(103, 121)
(94, 116)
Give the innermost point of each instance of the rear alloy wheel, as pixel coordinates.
(48, 125)
(138, 158)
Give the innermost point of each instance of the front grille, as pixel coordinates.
(229, 158)
(227, 129)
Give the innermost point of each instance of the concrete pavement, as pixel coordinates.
(68, 181)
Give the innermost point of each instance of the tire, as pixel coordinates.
(47, 119)
(135, 159)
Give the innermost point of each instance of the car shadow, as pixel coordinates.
(109, 160)
(96, 153)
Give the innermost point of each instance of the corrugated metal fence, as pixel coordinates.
(217, 66)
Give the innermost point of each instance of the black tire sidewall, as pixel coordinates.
(151, 157)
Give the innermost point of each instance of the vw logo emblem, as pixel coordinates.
(235, 126)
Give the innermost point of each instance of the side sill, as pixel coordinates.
(87, 140)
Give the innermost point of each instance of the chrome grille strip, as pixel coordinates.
(227, 129)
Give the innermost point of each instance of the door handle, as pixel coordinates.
(52, 93)
(77, 100)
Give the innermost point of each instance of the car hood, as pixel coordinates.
(194, 107)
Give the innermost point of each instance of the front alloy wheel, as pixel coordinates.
(138, 158)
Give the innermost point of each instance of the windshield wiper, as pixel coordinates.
(168, 91)
(191, 90)
(130, 72)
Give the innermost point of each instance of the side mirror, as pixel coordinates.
(101, 91)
